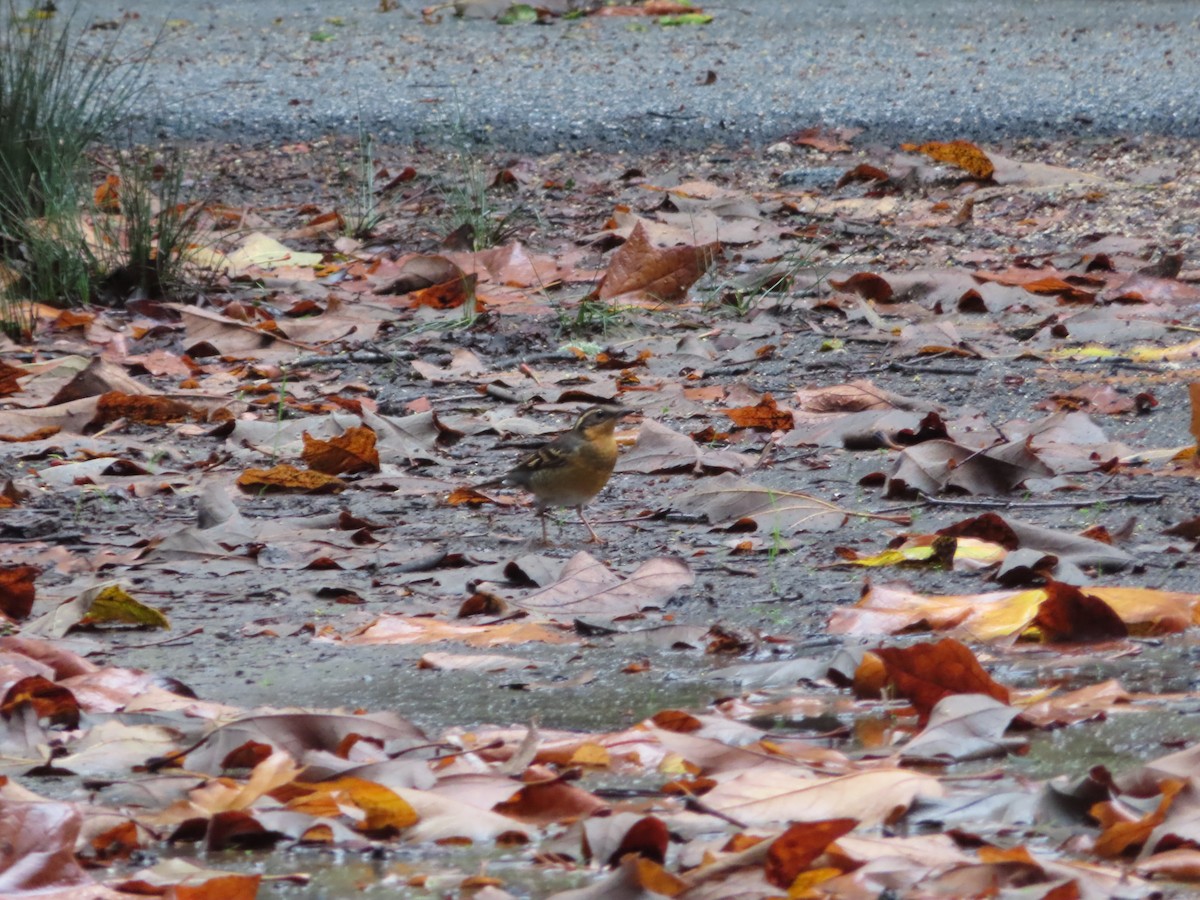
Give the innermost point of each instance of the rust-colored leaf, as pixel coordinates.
(867, 285)
(925, 673)
(648, 838)
(8, 379)
(16, 590)
(117, 842)
(48, 700)
(141, 408)
(1069, 614)
(1194, 398)
(447, 295)
(863, 172)
(765, 415)
(352, 451)
(795, 850)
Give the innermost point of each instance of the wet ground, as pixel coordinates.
(256, 635)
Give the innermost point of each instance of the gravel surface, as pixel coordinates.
(918, 70)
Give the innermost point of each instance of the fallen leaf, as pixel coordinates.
(925, 673)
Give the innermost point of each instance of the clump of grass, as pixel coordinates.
(58, 97)
(366, 211)
(473, 213)
(593, 316)
(143, 238)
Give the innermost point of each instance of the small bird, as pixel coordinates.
(572, 468)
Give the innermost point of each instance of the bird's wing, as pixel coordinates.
(548, 457)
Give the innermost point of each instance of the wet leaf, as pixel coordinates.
(964, 727)
(729, 502)
(17, 591)
(350, 452)
(587, 587)
(925, 673)
(796, 849)
(46, 699)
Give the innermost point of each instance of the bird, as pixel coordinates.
(571, 469)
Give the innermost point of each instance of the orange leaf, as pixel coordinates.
(349, 452)
(224, 887)
(1194, 397)
(289, 478)
(963, 154)
(766, 415)
(447, 295)
(925, 673)
(794, 851)
(676, 720)
(1119, 834)
(107, 197)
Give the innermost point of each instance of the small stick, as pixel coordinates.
(1044, 504)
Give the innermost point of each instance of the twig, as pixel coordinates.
(350, 358)
(930, 370)
(1044, 504)
(170, 640)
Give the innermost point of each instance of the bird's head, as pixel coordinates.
(598, 421)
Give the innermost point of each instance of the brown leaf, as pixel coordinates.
(659, 274)
(347, 453)
(648, 838)
(16, 590)
(925, 673)
(145, 410)
(586, 587)
(795, 850)
(1194, 399)
(863, 172)
(963, 727)
(867, 285)
(222, 887)
(289, 478)
(729, 502)
(39, 848)
(47, 699)
(1069, 614)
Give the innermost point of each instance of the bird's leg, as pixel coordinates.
(595, 538)
(542, 516)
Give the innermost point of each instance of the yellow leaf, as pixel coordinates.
(113, 606)
(591, 755)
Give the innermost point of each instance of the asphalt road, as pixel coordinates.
(917, 70)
